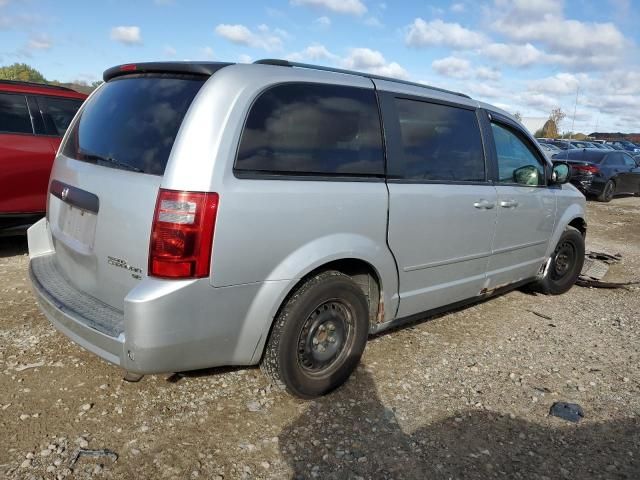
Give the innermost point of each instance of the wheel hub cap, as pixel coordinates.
(323, 336)
(563, 259)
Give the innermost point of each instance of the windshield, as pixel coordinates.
(132, 122)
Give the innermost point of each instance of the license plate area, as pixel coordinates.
(74, 226)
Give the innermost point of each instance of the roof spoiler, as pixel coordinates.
(193, 68)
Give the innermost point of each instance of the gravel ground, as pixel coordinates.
(462, 395)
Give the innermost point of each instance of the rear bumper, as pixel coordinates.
(74, 314)
(587, 184)
(166, 325)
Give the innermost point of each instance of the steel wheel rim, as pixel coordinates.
(325, 336)
(563, 260)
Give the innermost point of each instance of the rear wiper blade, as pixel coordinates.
(111, 160)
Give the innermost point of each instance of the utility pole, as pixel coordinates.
(575, 106)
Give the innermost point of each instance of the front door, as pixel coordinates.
(442, 207)
(526, 208)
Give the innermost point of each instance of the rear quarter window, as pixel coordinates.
(313, 129)
(14, 114)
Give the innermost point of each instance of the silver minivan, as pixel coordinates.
(205, 214)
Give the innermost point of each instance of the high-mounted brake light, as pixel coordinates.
(586, 168)
(129, 67)
(182, 234)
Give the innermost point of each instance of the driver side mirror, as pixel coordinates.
(561, 173)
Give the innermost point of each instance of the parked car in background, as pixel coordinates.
(626, 146)
(33, 119)
(562, 144)
(602, 173)
(205, 214)
(549, 149)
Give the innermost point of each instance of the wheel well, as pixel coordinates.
(580, 225)
(363, 274)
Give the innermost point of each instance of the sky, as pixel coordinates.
(526, 56)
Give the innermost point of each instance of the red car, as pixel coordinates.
(33, 119)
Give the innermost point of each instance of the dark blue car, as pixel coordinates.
(602, 173)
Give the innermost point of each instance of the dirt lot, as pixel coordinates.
(464, 395)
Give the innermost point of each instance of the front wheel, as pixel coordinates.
(608, 192)
(565, 264)
(318, 336)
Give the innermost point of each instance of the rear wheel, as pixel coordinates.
(608, 191)
(565, 264)
(318, 336)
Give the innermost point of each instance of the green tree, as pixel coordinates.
(22, 72)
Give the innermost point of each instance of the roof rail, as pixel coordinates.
(35, 84)
(287, 63)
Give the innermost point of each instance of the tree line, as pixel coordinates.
(26, 73)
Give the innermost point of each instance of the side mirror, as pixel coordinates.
(527, 175)
(561, 173)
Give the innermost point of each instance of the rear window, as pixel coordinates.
(14, 114)
(304, 129)
(58, 113)
(132, 122)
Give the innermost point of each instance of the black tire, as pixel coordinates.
(318, 336)
(608, 191)
(566, 264)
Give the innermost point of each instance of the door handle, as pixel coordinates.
(484, 204)
(508, 204)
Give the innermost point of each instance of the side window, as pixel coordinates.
(628, 161)
(58, 113)
(516, 162)
(614, 159)
(14, 114)
(304, 128)
(440, 143)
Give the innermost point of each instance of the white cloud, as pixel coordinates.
(514, 55)
(128, 35)
(207, 52)
(438, 33)
(244, 58)
(264, 38)
(482, 90)
(350, 7)
(314, 52)
(452, 67)
(372, 61)
(543, 21)
(41, 42)
(322, 22)
(373, 22)
(559, 84)
(169, 51)
(486, 73)
(457, 8)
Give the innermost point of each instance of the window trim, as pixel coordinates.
(511, 126)
(395, 161)
(26, 103)
(242, 174)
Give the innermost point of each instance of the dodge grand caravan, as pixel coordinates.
(204, 214)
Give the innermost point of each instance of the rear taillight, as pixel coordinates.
(182, 234)
(586, 168)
